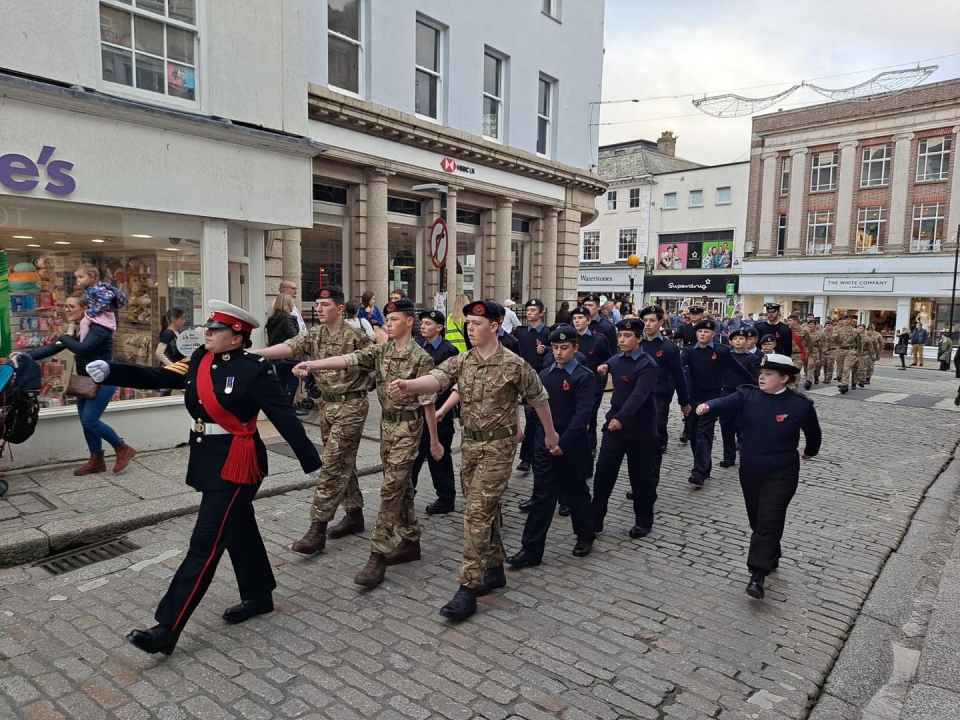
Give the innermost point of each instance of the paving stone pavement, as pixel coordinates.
(652, 628)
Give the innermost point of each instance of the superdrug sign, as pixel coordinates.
(693, 284)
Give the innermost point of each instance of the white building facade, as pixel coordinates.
(853, 209)
(143, 138)
(486, 103)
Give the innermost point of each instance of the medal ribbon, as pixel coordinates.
(242, 466)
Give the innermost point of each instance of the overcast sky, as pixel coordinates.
(714, 47)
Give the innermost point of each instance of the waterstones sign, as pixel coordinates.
(867, 284)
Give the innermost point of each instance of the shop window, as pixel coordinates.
(591, 246)
(823, 171)
(819, 233)
(402, 261)
(468, 217)
(321, 260)
(626, 243)
(403, 206)
(519, 225)
(929, 222)
(933, 159)
(344, 45)
(875, 167)
(150, 45)
(871, 226)
(153, 260)
(329, 194)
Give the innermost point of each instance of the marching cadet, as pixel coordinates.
(401, 426)
(670, 378)
(225, 389)
(771, 418)
(705, 364)
(596, 351)
(343, 412)
(687, 335)
(847, 341)
(534, 342)
(752, 348)
(441, 471)
(729, 428)
(490, 382)
(562, 471)
(875, 339)
(506, 339)
(630, 430)
(799, 338)
(598, 323)
(814, 345)
(772, 325)
(829, 352)
(768, 344)
(866, 358)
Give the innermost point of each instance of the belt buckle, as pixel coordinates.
(490, 435)
(199, 428)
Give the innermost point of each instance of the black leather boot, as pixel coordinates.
(493, 579)
(248, 609)
(155, 640)
(463, 605)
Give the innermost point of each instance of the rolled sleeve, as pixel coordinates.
(448, 371)
(365, 358)
(531, 388)
(299, 344)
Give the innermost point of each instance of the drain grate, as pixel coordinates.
(87, 555)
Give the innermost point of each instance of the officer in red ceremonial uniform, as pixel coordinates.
(225, 390)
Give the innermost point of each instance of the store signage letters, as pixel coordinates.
(20, 173)
(858, 284)
(449, 165)
(705, 284)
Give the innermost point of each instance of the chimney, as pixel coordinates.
(667, 144)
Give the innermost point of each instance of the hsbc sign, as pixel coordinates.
(449, 165)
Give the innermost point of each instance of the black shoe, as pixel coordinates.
(302, 412)
(684, 439)
(629, 494)
(564, 511)
(440, 507)
(523, 559)
(493, 579)
(463, 605)
(956, 400)
(695, 481)
(807, 385)
(525, 505)
(523, 467)
(727, 463)
(755, 587)
(247, 609)
(155, 640)
(816, 382)
(865, 381)
(582, 548)
(862, 384)
(638, 532)
(843, 389)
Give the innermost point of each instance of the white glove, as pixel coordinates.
(98, 370)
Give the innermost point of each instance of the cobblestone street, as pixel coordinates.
(652, 628)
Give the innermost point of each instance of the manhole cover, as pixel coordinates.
(28, 502)
(87, 555)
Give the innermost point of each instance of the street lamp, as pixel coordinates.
(633, 261)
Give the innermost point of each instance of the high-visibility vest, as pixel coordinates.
(454, 335)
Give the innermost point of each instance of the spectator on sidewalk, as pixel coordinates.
(918, 339)
(282, 326)
(167, 352)
(900, 349)
(350, 318)
(944, 350)
(369, 310)
(510, 319)
(288, 287)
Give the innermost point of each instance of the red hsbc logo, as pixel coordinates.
(449, 165)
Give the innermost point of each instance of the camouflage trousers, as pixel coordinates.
(865, 365)
(812, 366)
(846, 366)
(341, 424)
(829, 364)
(399, 446)
(484, 472)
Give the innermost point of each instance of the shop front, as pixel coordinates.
(168, 210)
(675, 292)
(619, 283)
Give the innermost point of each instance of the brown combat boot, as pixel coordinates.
(373, 572)
(349, 524)
(125, 454)
(95, 464)
(313, 541)
(406, 551)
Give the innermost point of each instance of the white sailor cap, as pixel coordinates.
(224, 315)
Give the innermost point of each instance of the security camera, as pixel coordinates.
(174, 241)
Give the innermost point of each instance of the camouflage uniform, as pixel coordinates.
(867, 357)
(880, 345)
(401, 425)
(848, 348)
(829, 354)
(815, 351)
(797, 353)
(343, 411)
(489, 391)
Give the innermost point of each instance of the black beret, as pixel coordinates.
(402, 305)
(534, 302)
(772, 307)
(793, 316)
(485, 309)
(591, 297)
(667, 332)
(812, 320)
(768, 338)
(696, 310)
(501, 310)
(580, 310)
(435, 315)
(630, 324)
(706, 324)
(651, 310)
(564, 333)
(742, 332)
(331, 292)
(751, 332)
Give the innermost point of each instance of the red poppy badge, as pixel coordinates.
(566, 385)
(625, 378)
(781, 418)
(713, 357)
(659, 353)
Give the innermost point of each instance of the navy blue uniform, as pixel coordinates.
(770, 426)
(528, 341)
(670, 379)
(781, 331)
(441, 471)
(604, 327)
(596, 350)
(633, 405)
(244, 385)
(508, 341)
(571, 389)
(705, 368)
(729, 427)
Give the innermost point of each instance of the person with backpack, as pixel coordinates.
(282, 326)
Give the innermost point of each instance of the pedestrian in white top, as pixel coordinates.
(288, 287)
(510, 320)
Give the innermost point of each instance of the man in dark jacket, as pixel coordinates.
(918, 338)
(772, 325)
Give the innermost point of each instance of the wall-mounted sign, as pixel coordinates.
(23, 174)
(438, 243)
(694, 284)
(865, 284)
(691, 251)
(449, 165)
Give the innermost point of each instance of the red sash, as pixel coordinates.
(241, 466)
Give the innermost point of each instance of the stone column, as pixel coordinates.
(903, 314)
(897, 237)
(768, 201)
(848, 167)
(953, 219)
(503, 262)
(548, 282)
(377, 245)
(568, 253)
(453, 289)
(798, 191)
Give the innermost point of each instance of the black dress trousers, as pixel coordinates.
(641, 453)
(767, 498)
(441, 471)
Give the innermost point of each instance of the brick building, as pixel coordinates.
(850, 209)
